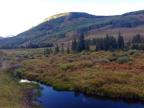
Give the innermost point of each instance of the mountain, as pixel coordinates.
(63, 27)
(1, 37)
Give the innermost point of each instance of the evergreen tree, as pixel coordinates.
(120, 41)
(87, 47)
(107, 43)
(137, 42)
(113, 44)
(62, 47)
(47, 51)
(56, 49)
(81, 43)
(74, 45)
(93, 41)
(99, 44)
(137, 39)
(68, 50)
(106, 40)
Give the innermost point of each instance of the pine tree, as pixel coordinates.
(120, 41)
(87, 47)
(99, 44)
(56, 49)
(106, 40)
(137, 39)
(107, 43)
(62, 47)
(47, 51)
(113, 43)
(81, 43)
(74, 45)
(68, 49)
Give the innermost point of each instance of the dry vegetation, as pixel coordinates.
(111, 74)
(12, 93)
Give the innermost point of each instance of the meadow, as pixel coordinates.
(116, 74)
(12, 93)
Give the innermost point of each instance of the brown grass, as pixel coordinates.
(92, 73)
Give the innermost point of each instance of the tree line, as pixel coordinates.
(107, 43)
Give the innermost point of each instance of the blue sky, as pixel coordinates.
(19, 15)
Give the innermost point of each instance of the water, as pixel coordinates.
(51, 98)
(27, 81)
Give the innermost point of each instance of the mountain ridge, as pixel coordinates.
(64, 26)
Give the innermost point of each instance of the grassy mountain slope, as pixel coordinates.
(62, 27)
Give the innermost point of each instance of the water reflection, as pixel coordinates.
(51, 98)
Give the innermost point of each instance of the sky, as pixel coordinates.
(17, 16)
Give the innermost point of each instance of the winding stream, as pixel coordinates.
(51, 98)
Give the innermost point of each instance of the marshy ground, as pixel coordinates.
(110, 74)
(12, 93)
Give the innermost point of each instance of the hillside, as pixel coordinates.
(63, 27)
(1, 37)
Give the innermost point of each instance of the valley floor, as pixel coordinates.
(12, 93)
(109, 74)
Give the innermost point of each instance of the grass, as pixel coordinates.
(12, 93)
(94, 73)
